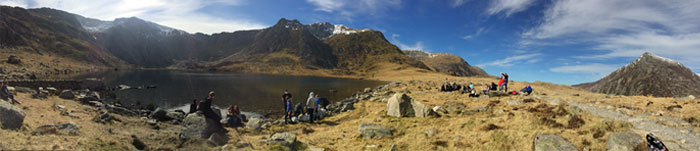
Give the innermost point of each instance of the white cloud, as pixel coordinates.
(417, 46)
(476, 34)
(512, 60)
(15, 3)
(508, 7)
(351, 8)
(622, 28)
(457, 3)
(594, 69)
(177, 14)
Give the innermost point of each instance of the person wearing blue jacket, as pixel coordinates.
(527, 90)
(288, 109)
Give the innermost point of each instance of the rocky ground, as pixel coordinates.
(409, 114)
(16, 65)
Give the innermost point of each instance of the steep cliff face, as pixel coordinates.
(648, 75)
(446, 63)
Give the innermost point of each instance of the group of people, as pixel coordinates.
(234, 118)
(471, 89)
(312, 106)
(5, 94)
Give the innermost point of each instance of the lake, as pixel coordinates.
(251, 92)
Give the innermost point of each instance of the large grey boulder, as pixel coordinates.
(67, 94)
(197, 126)
(254, 123)
(401, 105)
(284, 139)
(625, 141)
(11, 117)
(371, 130)
(69, 128)
(548, 142)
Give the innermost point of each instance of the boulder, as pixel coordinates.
(284, 139)
(219, 139)
(120, 110)
(548, 142)
(67, 94)
(104, 118)
(175, 115)
(24, 90)
(401, 105)
(254, 123)
(625, 141)
(51, 90)
(69, 128)
(197, 126)
(371, 130)
(160, 115)
(138, 144)
(11, 117)
(90, 96)
(95, 103)
(13, 60)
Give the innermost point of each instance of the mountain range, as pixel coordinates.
(648, 75)
(286, 46)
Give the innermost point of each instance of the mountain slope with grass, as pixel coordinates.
(446, 63)
(648, 75)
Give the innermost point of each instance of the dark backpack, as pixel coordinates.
(655, 144)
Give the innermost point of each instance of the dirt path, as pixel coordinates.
(674, 138)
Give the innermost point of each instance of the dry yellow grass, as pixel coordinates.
(517, 124)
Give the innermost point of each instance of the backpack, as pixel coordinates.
(655, 144)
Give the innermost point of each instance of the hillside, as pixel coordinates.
(287, 47)
(446, 63)
(648, 75)
(46, 31)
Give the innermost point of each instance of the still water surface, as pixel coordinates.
(251, 92)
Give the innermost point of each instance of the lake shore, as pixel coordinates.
(493, 123)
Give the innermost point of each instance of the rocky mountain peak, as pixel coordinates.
(649, 75)
(286, 23)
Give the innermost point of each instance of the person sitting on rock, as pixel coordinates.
(205, 107)
(298, 110)
(527, 90)
(6, 94)
(493, 87)
(485, 89)
(234, 118)
(193, 106)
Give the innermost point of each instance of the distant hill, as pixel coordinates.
(48, 31)
(648, 75)
(287, 45)
(446, 63)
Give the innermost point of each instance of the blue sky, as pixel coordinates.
(559, 41)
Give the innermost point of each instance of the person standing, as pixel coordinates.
(505, 82)
(288, 109)
(500, 83)
(286, 96)
(310, 103)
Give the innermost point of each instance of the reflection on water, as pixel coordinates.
(251, 92)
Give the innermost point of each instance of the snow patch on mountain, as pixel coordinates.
(342, 29)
